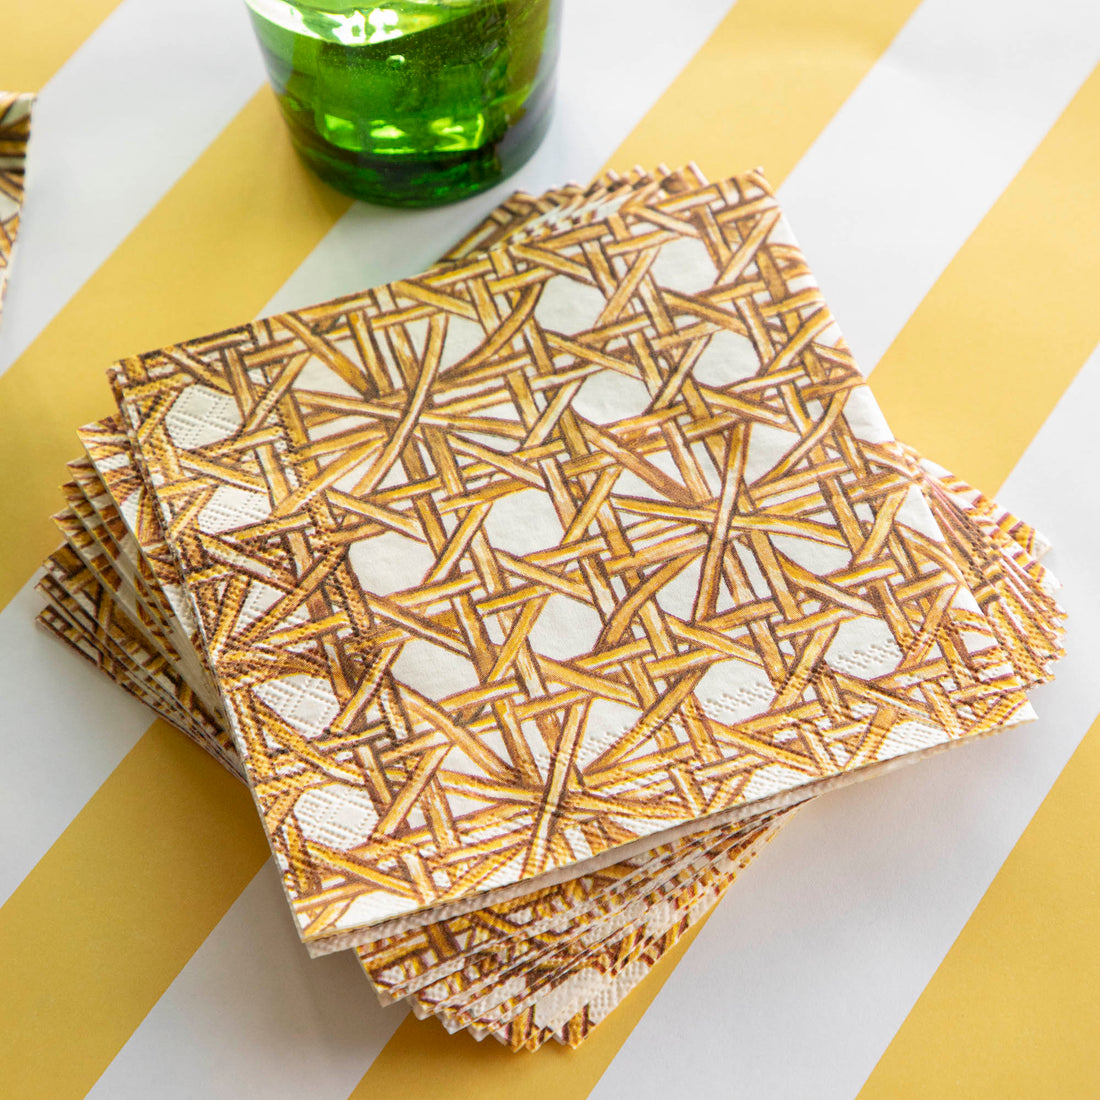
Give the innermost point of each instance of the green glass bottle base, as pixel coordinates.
(412, 181)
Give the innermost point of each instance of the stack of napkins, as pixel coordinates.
(530, 593)
(15, 131)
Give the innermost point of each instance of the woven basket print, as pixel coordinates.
(582, 540)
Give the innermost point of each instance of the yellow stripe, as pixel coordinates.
(794, 62)
(210, 254)
(1013, 1010)
(803, 82)
(41, 37)
(105, 921)
(422, 1055)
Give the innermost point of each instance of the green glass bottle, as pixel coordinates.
(412, 102)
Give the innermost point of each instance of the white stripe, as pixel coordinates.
(114, 129)
(612, 69)
(66, 727)
(811, 964)
(253, 1015)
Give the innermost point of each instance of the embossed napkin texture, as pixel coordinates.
(553, 963)
(561, 550)
(15, 129)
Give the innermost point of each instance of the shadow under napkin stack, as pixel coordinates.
(531, 593)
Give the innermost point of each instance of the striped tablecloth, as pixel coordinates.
(930, 934)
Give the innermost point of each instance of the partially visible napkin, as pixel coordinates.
(15, 129)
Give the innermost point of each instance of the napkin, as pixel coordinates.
(15, 128)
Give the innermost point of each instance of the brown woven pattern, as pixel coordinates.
(102, 555)
(149, 602)
(101, 567)
(64, 627)
(540, 446)
(524, 217)
(404, 964)
(112, 532)
(15, 129)
(979, 507)
(594, 983)
(995, 551)
(516, 969)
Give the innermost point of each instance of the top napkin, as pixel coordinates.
(525, 563)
